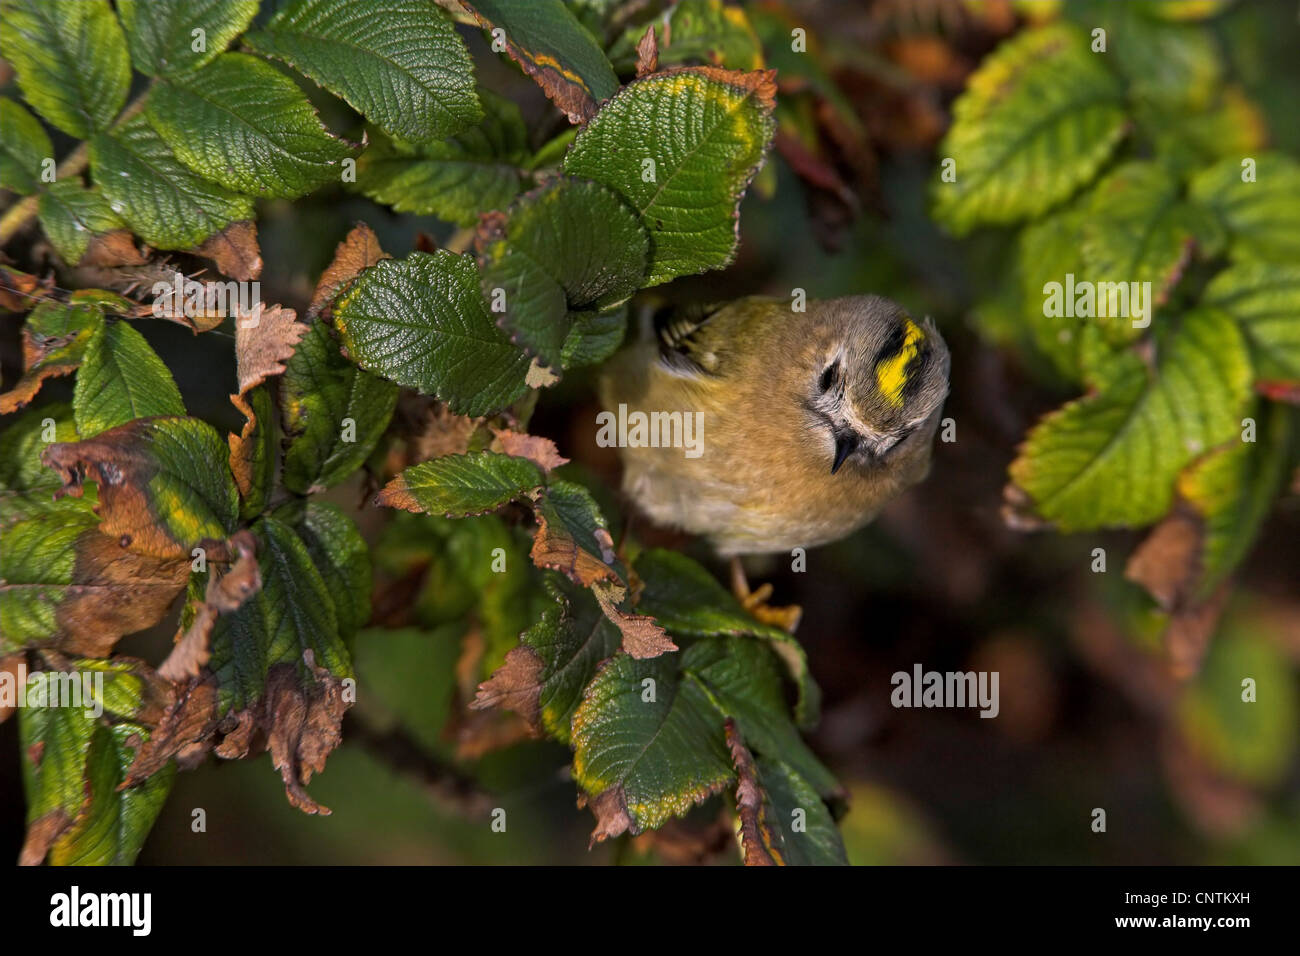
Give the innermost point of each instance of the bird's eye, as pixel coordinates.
(828, 376)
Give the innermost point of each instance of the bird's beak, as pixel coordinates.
(845, 445)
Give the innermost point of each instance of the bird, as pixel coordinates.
(810, 420)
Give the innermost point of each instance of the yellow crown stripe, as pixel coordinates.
(891, 373)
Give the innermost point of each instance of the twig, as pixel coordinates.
(446, 784)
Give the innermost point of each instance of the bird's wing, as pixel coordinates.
(698, 340)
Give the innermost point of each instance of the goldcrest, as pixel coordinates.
(807, 423)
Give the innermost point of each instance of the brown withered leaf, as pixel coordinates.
(643, 638)
(185, 730)
(20, 291)
(114, 592)
(432, 430)
(41, 835)
(516, 685)
(1168, 563)
(264, 340)
(755, 838)
(647, 53)
(554, 548)
(111, 250)
(225, 592)
(302, 727)
(359, 250)
(539, 376)
(241, 732)
(678, 843)
(540, 451)
(480, 733)
(243, 447)
(234, 251)
(612, 818)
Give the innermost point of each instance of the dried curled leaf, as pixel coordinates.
(359, 250)
(642, 636)
(234, 251)
(225, 592)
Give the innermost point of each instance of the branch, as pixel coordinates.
(446, 784)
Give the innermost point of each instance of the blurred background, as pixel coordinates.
(1089, 715)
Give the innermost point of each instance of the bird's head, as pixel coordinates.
(880, 376)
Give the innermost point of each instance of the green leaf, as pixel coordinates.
(1038, 119)
(1110, 459)
(705, 131)
(1138, 229)
(71, 61)
(454, 179)
(1172, 64)
(648, 752)
(24, 440)
(570, 642)
(72, 214)
(163, 202)
(1265, 301)
(656, 749)
(24, 148)
(400, 63)
(570, 245)
(1232, 489)
(341, 555)
(37, 569)
(818, 841)
(113, 832)
(1250, 742)
(121, 379)
(73, 765)
(555, 50)
(456, 486)
(743, 680)
(54, 781)
(242, 123)
(320, 390)
(421, 322)
(1048, 250)
(164, 485)
(294, 612)
(688, 601)
(593, 337)
(1262, 216)
(160, 33)
(697, 31)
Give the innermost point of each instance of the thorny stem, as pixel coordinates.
(20, 213)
